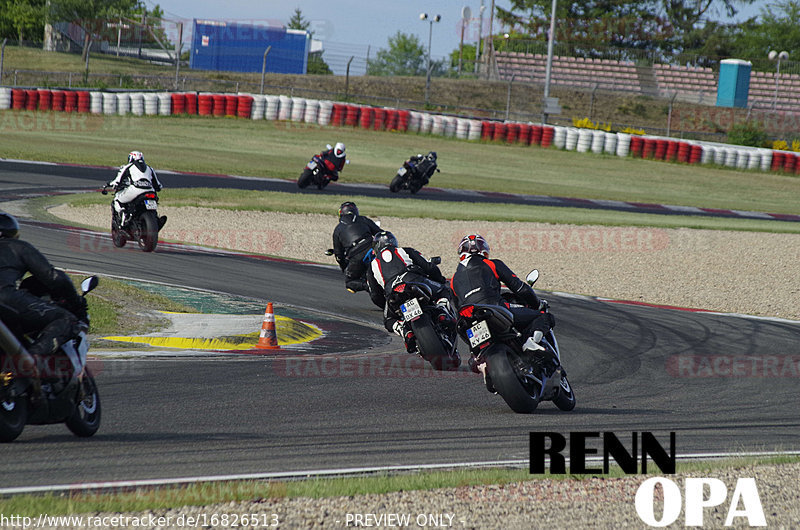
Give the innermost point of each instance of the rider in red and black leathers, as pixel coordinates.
(478, 279)
(391, 261)
(334, 160)
(352, 240)
(25, 313)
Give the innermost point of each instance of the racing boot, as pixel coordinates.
(162, 221)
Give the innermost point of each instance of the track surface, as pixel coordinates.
(185, 417)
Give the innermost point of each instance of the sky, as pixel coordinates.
(356, 28)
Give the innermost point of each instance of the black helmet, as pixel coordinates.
(348, 208)
(382, 240)
(9, 227)
(473, 244)
(432, 156)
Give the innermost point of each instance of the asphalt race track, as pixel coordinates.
(372, 406)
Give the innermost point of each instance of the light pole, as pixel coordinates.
(437, 18)
(549, 65)
(775, 56)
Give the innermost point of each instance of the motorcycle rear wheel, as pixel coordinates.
(85, 419)
(147, 231)
(305, 179)
(397, 184)
(507, 383)
(13, 416)
(430, 345)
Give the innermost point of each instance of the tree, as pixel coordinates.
(316, 64)
(22, 18)
(404, 56)
(777, 28)
(89, 15)
(298, 22)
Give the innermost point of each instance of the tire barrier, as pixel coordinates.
(231, 104)
(709, 155)
(731, 157)
(525, 130)
(648, 148)
(500, 131)
(351, 115)
(178, 103)
(637, 146)
(754, 159)
(18, 99)
(449, 126)
(325, 112)
(695, 154)
(766, 159)
(45, 99)
(284, 108)
(487, 130)
(5, 98)
(684, 150)
(414, 121)
(437, 125)
(403, 119)
(789, 162)
(164, 103)
(475, 130)
(573, 135)
(426, 123)
(244, 106)
(137, 104)
(123, 103)
(512, 132)
(548, 136)
(777, 161)
(720, 155)
(536, 134)
(559, 137)
(367, 118)
(624, 142)
(31, 99)
(96, 102)
(598, 142)
(312, 111)
(59, 97)
(84, 101)
(257, 110)
(109, 103)
(298, 109)
(377, 120)
(610, 146)
(584, 142)
(150, 104)
(660, 151)
(672, 151)
(742, 158)
(191, 103)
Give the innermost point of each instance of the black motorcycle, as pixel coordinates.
(522, 377)
(317, 172)
(412, 298)
(139, 220)
(56, 389)
(415, 173)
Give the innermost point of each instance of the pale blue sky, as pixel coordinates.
(348, 27)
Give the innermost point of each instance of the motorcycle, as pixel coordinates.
(522, 377)
(319, 172)
(140, 221)
(432, 322)
(415, 173)
(56, 389)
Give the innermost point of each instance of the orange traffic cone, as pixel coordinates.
(268, 340)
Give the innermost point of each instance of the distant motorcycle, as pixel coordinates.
(68, 393)
(523, 378)
(433, 323)
(140, 221)
(415, 173)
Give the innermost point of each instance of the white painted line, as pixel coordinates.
(760, 215)
(287, 475)
(685, 209)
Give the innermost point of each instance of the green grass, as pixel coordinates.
(277, 149)
(219, 492)
(411, 208)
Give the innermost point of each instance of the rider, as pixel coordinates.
(334, 159)
(390, 262)
(26, 313)
(477, 281)
(423, 165)
(352, 240)
(128, 186)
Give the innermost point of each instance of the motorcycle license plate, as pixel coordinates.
(401, 171)
(150, 204)
(478, 334)
(312, 166)
(411, 310)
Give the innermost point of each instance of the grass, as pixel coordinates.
(279, 149)
(222, 492)
(411, 208)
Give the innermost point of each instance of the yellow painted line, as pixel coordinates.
(288, 330)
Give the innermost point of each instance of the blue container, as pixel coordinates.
(733, 86)
(220, 45)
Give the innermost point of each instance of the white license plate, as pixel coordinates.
(411, 309)
(150, 204)
(478, 334)
(401, 171)
(312, 166)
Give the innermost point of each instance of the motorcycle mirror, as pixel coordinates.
(347, 161)
(89, 283)
(329, 252)
(532, 277)
(436, 260)
(328, 146)
(378, 222)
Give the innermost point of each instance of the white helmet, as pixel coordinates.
(135, 156)
(338, 150)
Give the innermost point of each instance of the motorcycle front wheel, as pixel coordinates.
(85, 419)
(305, 179)
(397, 184)
(13, 416)
(508, 382)
(565, 397)
(146, 231)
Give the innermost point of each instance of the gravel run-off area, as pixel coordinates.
(738, 272)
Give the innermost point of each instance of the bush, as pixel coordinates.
(747, 133)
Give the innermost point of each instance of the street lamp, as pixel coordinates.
(437, 18)
(775, 56)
